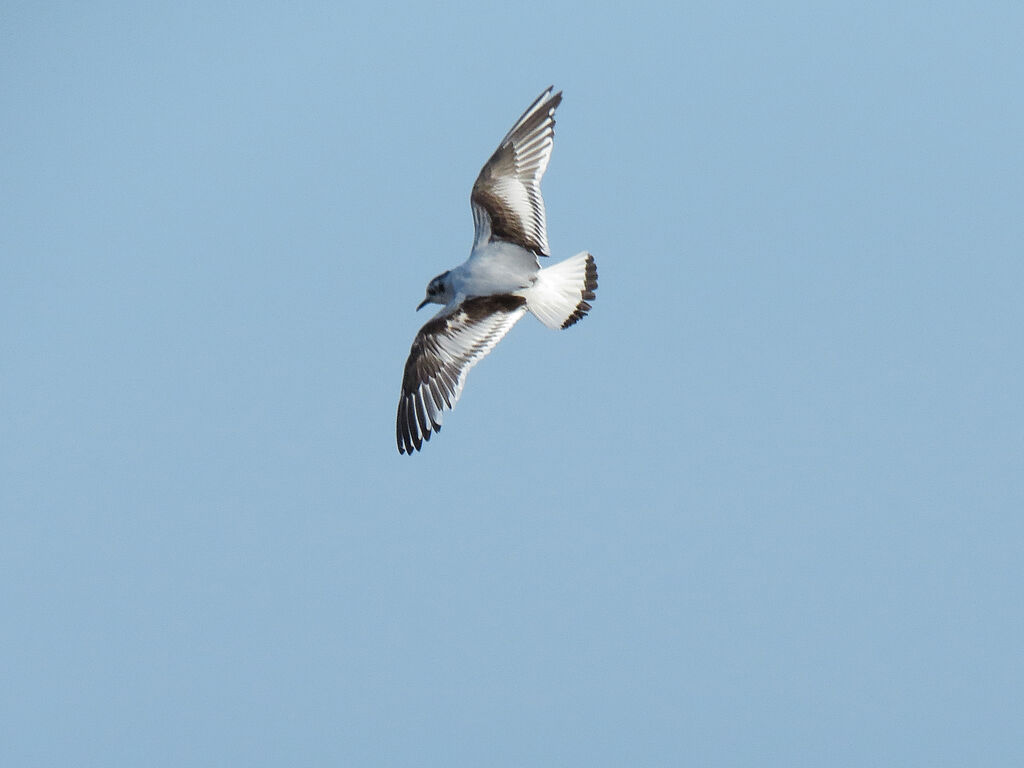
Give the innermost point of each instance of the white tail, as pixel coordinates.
(559, 297)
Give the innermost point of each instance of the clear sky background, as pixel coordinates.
(762, 507)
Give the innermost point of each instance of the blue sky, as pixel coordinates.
(763, 506)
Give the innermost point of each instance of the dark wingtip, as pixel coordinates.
(409, 440)
(415, 425)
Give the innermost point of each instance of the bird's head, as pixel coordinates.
(439, 291)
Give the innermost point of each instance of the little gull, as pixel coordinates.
(502, 279)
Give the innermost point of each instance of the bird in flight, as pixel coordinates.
(482, 298)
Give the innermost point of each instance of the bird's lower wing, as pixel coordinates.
(442, 354)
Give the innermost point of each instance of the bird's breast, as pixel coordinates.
(496, 267)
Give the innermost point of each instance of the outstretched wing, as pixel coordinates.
(506, 199)
(442, 354)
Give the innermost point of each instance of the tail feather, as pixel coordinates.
(560, 296)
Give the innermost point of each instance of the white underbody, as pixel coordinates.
(493, 268)
(496, 268)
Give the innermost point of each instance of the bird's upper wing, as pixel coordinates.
(444, 350)
(506, 199)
